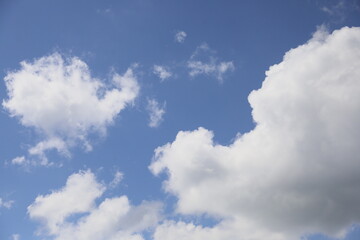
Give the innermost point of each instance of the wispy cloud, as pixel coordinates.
(162, 72)
(211, 66)
(180, 36)
(118, 176)
(340, 9)
(156, 112)
(6, 204)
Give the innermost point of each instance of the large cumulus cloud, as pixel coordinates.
(296, 172)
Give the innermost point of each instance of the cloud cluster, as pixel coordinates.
(72, 212)
(180, 36)
(60, 99)
(156, 113)
(296, 172)
(211, 66)
(162, 72)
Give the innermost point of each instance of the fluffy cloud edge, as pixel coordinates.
(59, 98)
(73, 212)
(291, 185)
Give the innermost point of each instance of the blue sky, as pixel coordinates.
(179, 120)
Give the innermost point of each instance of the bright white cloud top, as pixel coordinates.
(180, 120)
(72, 213)
(296, 172)
(59, 98)
(180, 36)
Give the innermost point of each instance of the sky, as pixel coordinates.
(181, 120)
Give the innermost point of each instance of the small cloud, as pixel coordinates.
(31, 161)
(162, 72)
(19, 161)
(156, 113)
(118, 177)
(204, 61)
(53, 143)
(180, 36)
(327, 10)
(6, 204)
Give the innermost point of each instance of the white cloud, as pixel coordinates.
(162, 72)
(6, 204)
(19, 160)
(211, 67)
(72, 213)
(156, 112)
(78, 196)
(26, 163)
(60, 99)
(296, 172)
(180, 36)
(118, 177)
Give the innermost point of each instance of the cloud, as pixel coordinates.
(6, 204)
(296, 172)
(180, 36)
(72, 212)
(162, 72)
(211, 66)
(19, 160)
(60, 99)
(226, 230)
(118, 177)
(156, 112)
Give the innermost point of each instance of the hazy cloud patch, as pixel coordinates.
(180, 36)
(156, 112)
(162, 72)
(204, 62)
